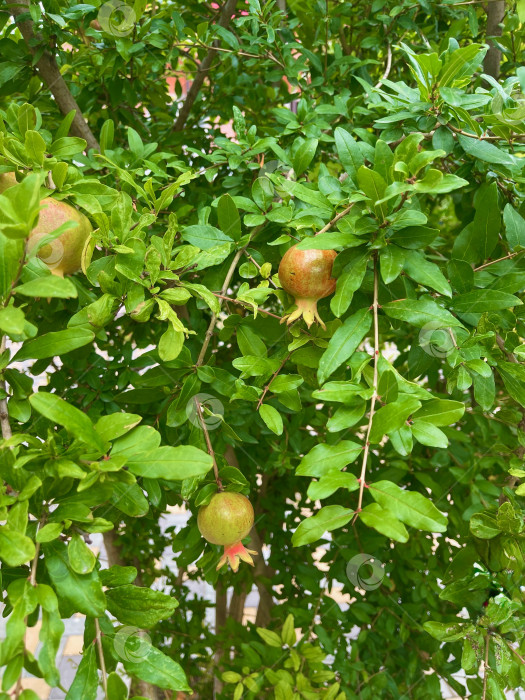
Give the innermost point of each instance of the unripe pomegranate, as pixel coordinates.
(7, 180)
(63, 255)
(307, 276)
(226, 520)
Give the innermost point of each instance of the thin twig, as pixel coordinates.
(208, 443)
(335, 220)
(259, 404)
(252, 259)
(387, 69)
(485, 667)
(4, 411)
(32, 578)
(245, 303)
(493, 262)
(227, 280)
(375, 306)
(101, 657)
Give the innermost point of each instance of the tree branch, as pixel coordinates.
(259, 404)
(495, 15)
(50, 73)
(335, 220)
(101, 657)
(208, 443)
(375, 306)
(184, 113)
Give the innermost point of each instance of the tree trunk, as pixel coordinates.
(495, 15)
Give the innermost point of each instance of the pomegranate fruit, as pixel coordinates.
(307, 276)
(7, 180)
(63, 255)
(226, 520)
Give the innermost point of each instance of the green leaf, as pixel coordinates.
(428, 434)
(484, 300)
(373, 185)
(142, 607)
(35, 147)
(117, 689)
(447, 632)
(513, 376)
(129, 499)
(288, 632)
(116, 424)
(426, 273)
(144, 661)
(304, 156)
(514, 227)
(486, 152)
(12, 320)
(11, 252)
(171, 463)
(348, 151)
(85, 682)
(323, 457)
(392, 416)
(48, 286)
(229, 219)
(15, 548)
(55, 343)
(272, 418)
(479, 238)
(170, 344)
(81, 558)
(349, 281)
(76, 592)
(410, 507)
(461, 63)
(392, 260)
(327, 519)
(344, 343)
(384, 522)
(74, 421)
(414, 237)
(440, 412)
(204, 236)
(270, 637)
(419, 312)
(330, 482)
(67, 147)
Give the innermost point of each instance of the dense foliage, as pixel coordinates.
(383, 455)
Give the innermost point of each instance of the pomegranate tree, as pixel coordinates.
(307, 276)
(227, 520)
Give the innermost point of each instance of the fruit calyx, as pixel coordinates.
(235, 553)
(307, 276)
(226, 520)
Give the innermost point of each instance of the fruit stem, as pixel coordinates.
(366, 451)
(208, 443)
